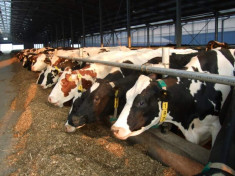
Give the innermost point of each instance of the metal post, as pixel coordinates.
(92, 42)
(178, 27)
(128, 23)
(101, 24)
(71, 29)
(148, 43)
(222, 30)
(56, 35)
(216, 26)
(63, 36)
(113, 42)
(83, 28)
(165, 57)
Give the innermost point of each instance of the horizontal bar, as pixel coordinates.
(214, 78)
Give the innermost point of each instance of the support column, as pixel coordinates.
(92, 42)
(56, 35)
(83, 29)
(101, 24)
(113, 42)
(71, 29)
(216, 26)
(148, 41)
(222, 29)
(62, 29)
(178, 27)
(128, 23)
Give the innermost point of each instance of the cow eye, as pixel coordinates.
(96, 100)
(141, 103)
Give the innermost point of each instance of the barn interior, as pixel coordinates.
(63, 23)
(32, 135)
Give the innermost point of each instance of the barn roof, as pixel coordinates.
(34, 20)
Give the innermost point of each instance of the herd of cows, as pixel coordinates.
(137, 100)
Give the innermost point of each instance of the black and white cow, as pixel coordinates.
(98, 102)
(221, 160)
(193, 106)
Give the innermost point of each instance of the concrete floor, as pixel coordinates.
(8, 117)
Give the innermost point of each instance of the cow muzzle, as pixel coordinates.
(79, 121)
(56, 103)
(120, 133)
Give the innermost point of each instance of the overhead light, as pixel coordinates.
(5, 38)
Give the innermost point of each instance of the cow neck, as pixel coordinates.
(161, 83)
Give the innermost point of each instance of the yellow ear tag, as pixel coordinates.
(116, 100)
(164, 111)
(80, 88)
(57, 69)
(79, 76)
(70, 78)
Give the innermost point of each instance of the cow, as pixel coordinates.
(192, 105)
(49, 76)
(30, 57)
(69, 82)
(98, 102)
(49, 57)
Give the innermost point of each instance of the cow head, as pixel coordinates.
(49, 76)
(39, 64)
(98, 103)
(142, 110)
(70, 84)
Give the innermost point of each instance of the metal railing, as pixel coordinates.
(208, 77)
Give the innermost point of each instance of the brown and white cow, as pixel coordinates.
(66, 90)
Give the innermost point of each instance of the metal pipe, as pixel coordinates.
(214, 78)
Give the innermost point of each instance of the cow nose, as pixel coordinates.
(49, 99)
(115, 130)
(69, 129)
(120, 133)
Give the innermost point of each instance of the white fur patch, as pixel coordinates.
(94, 86)
(140, 85)
(112, 84)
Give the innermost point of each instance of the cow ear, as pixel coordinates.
(47, 61)
(153, 76)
